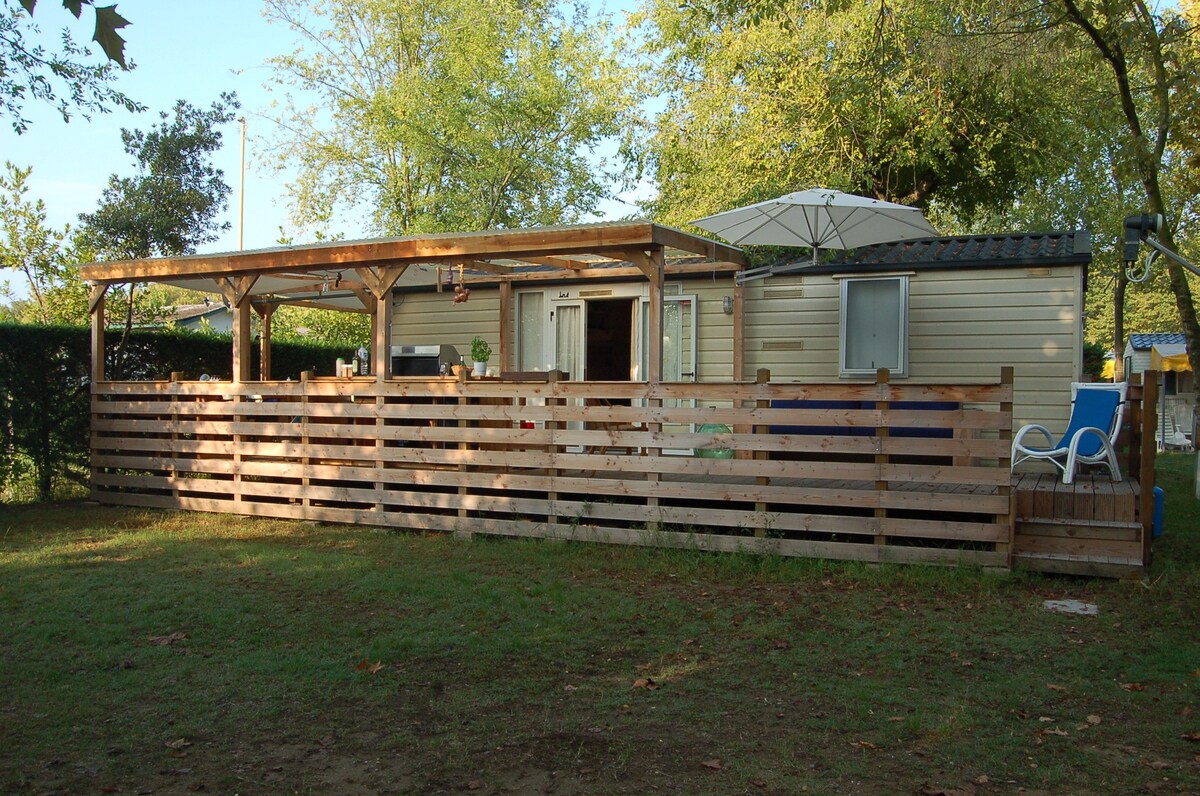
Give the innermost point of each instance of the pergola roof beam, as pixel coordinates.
(596, 239)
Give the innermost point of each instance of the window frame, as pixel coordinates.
(902, 280)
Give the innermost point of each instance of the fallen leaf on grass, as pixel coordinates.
(1194, 737)
(474, 785)
(366, 666)
(758, 783)
(164, 641)
(1133, 686)
(864, 744)
(965, 790)
(1055, 687)
(982, 779)
(1045, 719)
(1054, 731)
(782, 644)
(178, 743)
(1186, 712)
(1093, 719)
(1157, 765)
(570, 688)
(713, 765)
(645, 682)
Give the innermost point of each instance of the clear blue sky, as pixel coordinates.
(183, 50)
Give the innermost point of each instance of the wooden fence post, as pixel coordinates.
(462, 532)
(552, 400)
(1006, 407)
(306, 445)
(1145, 461)
(882, 405)
(173, 424)
(763, 376)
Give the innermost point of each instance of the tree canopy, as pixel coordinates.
(39, 255)
(446, 114)
(171, 204)
(902, 101)
(63, 78)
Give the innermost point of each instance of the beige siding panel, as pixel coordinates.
(962, 326)
(434, 319)
(714, 329)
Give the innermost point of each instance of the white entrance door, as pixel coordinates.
(679, 352)
(679, 339)
(569, 319)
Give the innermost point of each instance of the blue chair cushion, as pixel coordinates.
(1095, 409)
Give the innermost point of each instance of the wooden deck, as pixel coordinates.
(879, 472)
(1093, 526)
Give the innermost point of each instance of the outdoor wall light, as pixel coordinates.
(727, 305)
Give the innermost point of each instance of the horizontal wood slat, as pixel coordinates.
(862, 479)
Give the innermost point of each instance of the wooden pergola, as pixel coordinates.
(357, 276)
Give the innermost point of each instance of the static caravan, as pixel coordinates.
(945, 309)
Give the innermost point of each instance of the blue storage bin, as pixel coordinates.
(1157, 522)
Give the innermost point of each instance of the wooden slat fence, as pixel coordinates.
(878, 472)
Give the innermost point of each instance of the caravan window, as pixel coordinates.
(874, 326)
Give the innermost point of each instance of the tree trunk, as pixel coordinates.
(119, 355)
(1118, 338)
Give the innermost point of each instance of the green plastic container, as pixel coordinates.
(714, 453)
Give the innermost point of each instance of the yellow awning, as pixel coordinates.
(1170, 359)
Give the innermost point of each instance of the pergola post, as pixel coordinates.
(655, 331)
(506, 325)
(241, 341)
(379, 281)
(96, 310)
(236, 291)
(265, 311)
(381, 322)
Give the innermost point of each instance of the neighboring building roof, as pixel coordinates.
(186, 312)
(1034, 249)
(1146, 341)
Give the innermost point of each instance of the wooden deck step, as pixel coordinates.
(1072, 564)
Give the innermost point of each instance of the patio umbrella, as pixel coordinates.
(819, 218)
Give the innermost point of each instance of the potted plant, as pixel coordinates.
(481, 352)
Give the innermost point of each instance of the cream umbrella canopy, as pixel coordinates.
(819, 218)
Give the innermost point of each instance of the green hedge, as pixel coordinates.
(45, 387)
(155, 354)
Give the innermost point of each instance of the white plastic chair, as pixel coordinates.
(1096, 413)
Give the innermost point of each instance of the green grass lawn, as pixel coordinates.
(168, 652)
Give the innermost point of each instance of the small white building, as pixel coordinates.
(1160, 351)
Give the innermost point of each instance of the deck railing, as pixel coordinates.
(869, 471)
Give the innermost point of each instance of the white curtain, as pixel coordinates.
(568, 339)
(531, 321)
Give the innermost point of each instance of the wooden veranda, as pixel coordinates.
(877, 471)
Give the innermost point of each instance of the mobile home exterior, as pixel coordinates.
(940, 310)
